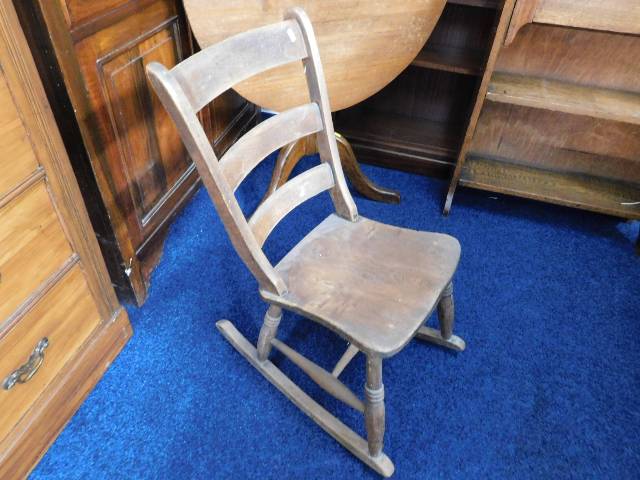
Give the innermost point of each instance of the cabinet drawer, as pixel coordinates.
(65, 316)
(17, 160)
(32, 246)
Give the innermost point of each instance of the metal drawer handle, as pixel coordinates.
(24, 373)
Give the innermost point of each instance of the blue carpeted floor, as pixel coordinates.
(547, 298)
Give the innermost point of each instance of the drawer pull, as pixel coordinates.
(24, 373)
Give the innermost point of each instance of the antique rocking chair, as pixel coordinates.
(372, 284)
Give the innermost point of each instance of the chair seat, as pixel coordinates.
(373, 284)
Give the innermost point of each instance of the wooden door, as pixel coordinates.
(141, 169)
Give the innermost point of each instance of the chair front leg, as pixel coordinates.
(268, 331)
(444, 336)
(446, 312)
(374, 405)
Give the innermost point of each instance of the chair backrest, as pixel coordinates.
(193, 83)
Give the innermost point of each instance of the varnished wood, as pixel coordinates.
(347, 274)
(33, 246)
(418, 122)
(329, 423)
(75, 303)
(450, 59)
(358, 179)
(318, 93)
(501, 31)
(66, 316)
(565, 97)
(357, 63)
(37, 430)
(14, 143)
(135, 172)
(523, 13)
(560, 123)
(621, 16)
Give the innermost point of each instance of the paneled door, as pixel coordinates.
(140, 169)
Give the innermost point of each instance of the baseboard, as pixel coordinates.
(36, 431)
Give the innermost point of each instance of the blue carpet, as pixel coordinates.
(547, 298)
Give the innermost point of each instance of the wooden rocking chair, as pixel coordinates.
(372, 284)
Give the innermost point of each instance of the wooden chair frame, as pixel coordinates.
(187, 88)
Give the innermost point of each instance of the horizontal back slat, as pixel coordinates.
(215, 69)
(267, 137)
(301, 188)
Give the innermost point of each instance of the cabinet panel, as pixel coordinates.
(142, 171)
(149, 148)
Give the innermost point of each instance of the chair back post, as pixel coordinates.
(196, 81)
(175, 101)
(318, 93)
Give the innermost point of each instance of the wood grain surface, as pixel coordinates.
(363, 45)
(353, 278)
(66, 316)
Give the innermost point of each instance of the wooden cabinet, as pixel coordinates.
(134, 170)
(60, 322)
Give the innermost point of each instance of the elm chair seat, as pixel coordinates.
(372, 283)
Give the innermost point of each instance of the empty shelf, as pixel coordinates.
(565, 97)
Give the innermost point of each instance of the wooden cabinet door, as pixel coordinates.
(141, 168)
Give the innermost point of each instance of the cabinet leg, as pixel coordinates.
(268, 331)
(374, 405)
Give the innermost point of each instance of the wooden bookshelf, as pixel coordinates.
(417, 144)
(466, 61)
(418, 122)
(563, 188)
(565, 97)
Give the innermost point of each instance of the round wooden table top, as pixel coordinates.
(364, 45)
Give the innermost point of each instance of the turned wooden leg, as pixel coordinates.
(446, 312)
(444, 336)
(374, 405)
(268, 331)
(358, 179)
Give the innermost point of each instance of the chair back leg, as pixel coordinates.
(268, 331)
(374, 405)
